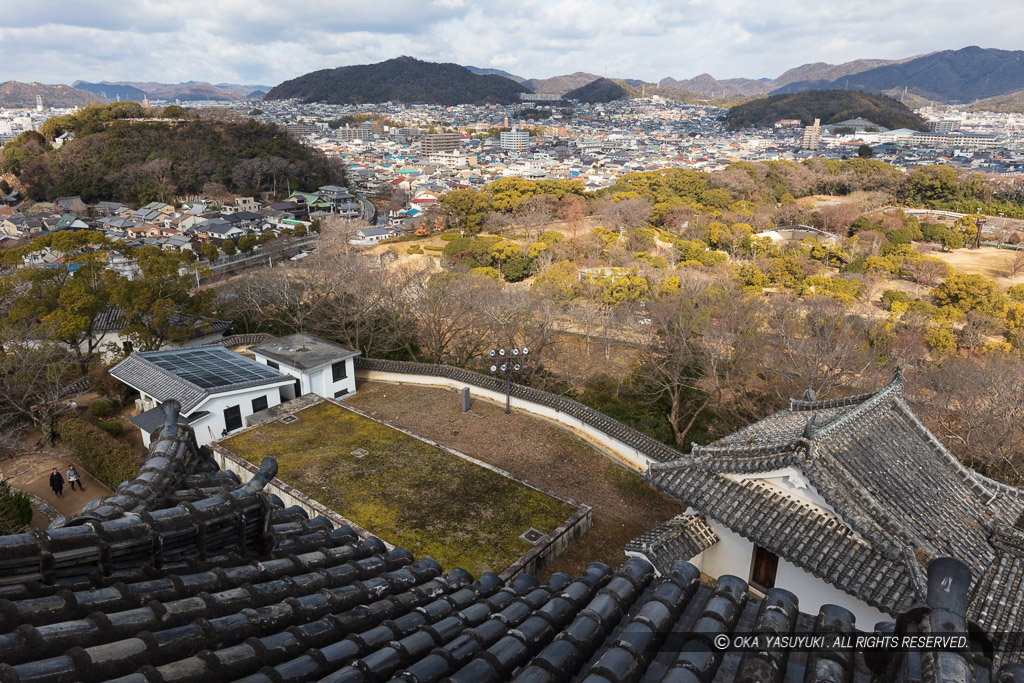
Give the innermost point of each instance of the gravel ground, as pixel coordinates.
(624, 506)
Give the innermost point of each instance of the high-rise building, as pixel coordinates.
(440, 142)
(812, 135)
(515, 139)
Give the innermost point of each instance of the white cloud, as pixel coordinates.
(259, 41)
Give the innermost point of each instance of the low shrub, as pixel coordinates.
(892, 295)
(102, 407)
(112, 427)
(448, 236)
(15, 510)
(108, 460)
(431, 247)
(414, 249)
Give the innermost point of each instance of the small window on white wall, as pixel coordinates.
(232, 418)
(259, 403)
(764, 566)
(339, 371)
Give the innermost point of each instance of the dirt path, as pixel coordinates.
(624, 505)
(30, 472)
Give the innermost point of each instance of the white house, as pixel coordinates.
(217, 388)
(318, 366)
(366, 236)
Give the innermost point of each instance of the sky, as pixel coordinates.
(265, 42)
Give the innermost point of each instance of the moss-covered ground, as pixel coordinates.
(406, 491)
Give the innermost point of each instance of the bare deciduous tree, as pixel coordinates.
(32, 378)
(1016, 266)
(818, 344)
(976, 406)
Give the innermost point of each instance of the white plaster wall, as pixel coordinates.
(348, 383)
(623, 453)
(319, 380)
(734, 555)
(213, 424)
(731, 555)
(813, 593)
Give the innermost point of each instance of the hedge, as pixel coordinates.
(106, 458)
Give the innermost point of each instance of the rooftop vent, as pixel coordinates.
(288, 419)
(360, 452)
(532, 535)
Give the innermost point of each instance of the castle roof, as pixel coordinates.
(187, 574)
(891, 496)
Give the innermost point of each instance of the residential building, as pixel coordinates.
(515, 139)
(318, 366)
(370, 236)
(812, 136)
(439, 142)
(193, 572)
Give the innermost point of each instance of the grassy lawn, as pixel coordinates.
(408, 492)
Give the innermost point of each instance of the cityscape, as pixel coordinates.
(331, 357)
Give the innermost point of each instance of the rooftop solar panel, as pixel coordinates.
(211, 367)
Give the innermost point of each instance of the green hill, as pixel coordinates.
(404, 79)
(136, 162)
(601, 90)
(831, 106)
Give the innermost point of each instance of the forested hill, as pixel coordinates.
(138, 162)
(831, 106)
(601, 90)
(404, 79)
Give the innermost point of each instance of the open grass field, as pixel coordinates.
(407, 491)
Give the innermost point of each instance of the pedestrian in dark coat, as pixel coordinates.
(57, 483)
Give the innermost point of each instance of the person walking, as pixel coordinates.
(73, 478)
(57, 483)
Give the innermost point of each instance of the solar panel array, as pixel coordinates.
(211, 367)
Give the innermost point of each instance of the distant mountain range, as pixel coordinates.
(496, 72)
(23, 95)
(969, 75)
(189, 91)
(405, 80)
(707, 85)
(951, 76)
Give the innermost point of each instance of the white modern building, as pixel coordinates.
(219, 389)
(515, 139)
(318, 366)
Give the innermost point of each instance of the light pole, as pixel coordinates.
(507, 361)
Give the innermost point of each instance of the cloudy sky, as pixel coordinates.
(264, 42)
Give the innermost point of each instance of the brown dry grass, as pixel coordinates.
(988, 261)
(624, 505)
